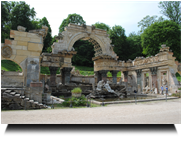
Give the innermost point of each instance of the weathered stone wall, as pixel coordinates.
(12, 79)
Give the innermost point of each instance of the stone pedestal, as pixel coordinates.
(36, 91)
(53, 76)
(138, 72)
(114, 76)
(154, 77)
(125, 76)
(65, 72)
(98, 76)
(103, 74)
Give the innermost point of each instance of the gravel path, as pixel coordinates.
(158, 112)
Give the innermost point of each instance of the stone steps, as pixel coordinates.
(23, 101)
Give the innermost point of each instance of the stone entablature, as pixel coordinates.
(62, 59)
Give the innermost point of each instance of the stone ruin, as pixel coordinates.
(144, 75)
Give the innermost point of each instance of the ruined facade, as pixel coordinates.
(141, 73)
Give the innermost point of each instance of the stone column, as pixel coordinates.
(98, 76)
(114, 76)
(53, 76)
(154, 77)
(103, 74)
(125, 76)
(139, 72)
(65, 72)
(33, 70)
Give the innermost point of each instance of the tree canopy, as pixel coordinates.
(72, 18)
(172, 10)
(166, 32)
(102, 26)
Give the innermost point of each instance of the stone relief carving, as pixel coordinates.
(153, 70)
(6, 51)
(60, 36)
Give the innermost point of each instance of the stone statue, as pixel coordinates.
(108, 88)
(100, 85)
(164, 81)
(146, 81)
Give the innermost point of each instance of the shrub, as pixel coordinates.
(76, 101)
(177, 95)
(76, 90)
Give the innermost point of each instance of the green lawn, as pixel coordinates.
(8, 65)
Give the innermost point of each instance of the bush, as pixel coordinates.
(177, 95)
(76, 101)
(76, 90)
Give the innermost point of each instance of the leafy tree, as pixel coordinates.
(134, 45)
(5, 18)
(118, 37)
(48, 39)
(166, 32)
(172, 10)
(85, 53)
(21, 14)
(72, 18)
(102, 26)
(147, 21)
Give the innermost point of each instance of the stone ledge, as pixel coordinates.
(35, 84)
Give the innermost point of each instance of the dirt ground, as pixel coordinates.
(155, 112)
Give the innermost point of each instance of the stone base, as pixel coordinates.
(36, 84)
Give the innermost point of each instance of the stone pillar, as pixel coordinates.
(114, 76)
(103, 74)
(53, 76)
(65, 72)
(139, 72)
(98, 76)
(125, 76)
(154, 77)
(36, 90)
(33, 70)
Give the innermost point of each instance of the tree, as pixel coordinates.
(5, 18)
(172, 10)
(72, 18)
(134, 45)
(147, 21)
(21, 14)
(48, 39)
(166, 32)
(85, 53)
(102, 26)
(118, 37)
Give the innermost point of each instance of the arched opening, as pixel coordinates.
(86, 48)
(12, 74)
(8, 65)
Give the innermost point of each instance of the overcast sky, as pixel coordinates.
(111, 12)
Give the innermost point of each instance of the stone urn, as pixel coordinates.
(76, 92)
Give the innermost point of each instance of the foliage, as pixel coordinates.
(76, 101)
(72, 18)
(85, 52)
(147, 21)
(172, 10)
(76, 90)
(102, 26)
(178, 76)
(134, 46)
(21, 14)
(8, 65)
(166, 32)
(45, 70)
(177, 94)
(48, 40)
(119, 40)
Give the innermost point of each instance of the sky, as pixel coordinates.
(111, 12)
